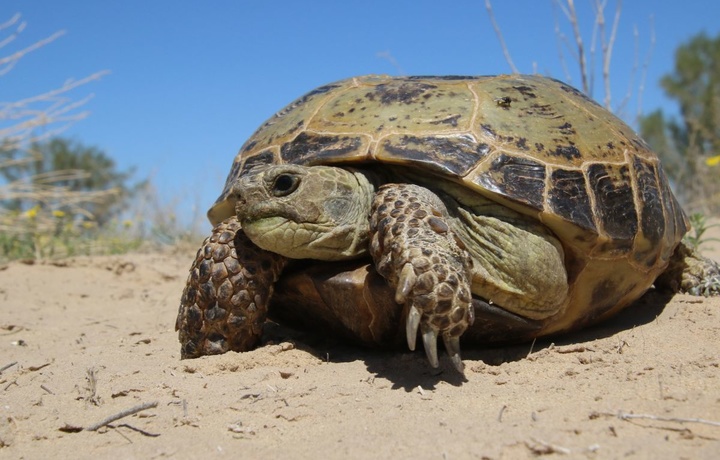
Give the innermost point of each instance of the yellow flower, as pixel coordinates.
(32, 212)
(89, 224)
(127, 223)
(713, 161)
(57, 213)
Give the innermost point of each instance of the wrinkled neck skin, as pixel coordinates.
(306, 212)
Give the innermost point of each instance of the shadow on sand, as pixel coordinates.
(408, 370)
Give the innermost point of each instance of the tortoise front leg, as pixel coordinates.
(225, 301)
(415, 250)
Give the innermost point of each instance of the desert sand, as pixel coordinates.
(84, 339)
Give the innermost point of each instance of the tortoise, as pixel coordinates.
(494, 208)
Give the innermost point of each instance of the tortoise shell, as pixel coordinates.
(530, 143)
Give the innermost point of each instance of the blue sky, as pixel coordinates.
(190, 81)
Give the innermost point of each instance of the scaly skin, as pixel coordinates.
(322, 213)
(225, 301)
(690, 273)
(414, 249)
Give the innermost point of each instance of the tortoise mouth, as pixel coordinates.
(262, 211)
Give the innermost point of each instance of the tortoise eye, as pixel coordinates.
(285, 184)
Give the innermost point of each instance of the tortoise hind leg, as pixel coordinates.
(414, 249)
(691, 273)
(226, 297)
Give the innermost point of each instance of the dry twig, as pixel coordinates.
(581, 55)
(499, 34)
(541, 447)
(645, 65)
(7, 366)
(624, 416)
(142, 432)
(627, 416)
(119, 415)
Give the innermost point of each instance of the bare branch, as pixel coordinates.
(598, 25)
(499, 34)
(607, 48)
(582, 58)
(10, 38)
(69, 85)
(620, 109)
(388, 56)
(9, 61)
(561, 38)
(645, 65)
(50, 108)
(10, 22)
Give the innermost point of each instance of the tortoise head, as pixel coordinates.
(305, 212)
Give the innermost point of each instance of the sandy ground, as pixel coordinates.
(87, 338)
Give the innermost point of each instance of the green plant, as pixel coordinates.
(42, 234)
(699, 224)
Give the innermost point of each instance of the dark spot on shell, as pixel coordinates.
(542, 110)
(569, 152)
(526, 91)
(451, 120)
(399, 92)
(488, 130)
(567, 129)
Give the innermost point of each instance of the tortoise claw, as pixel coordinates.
(452, 345)
(411, 327)
(430, 343)
(415, 250)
